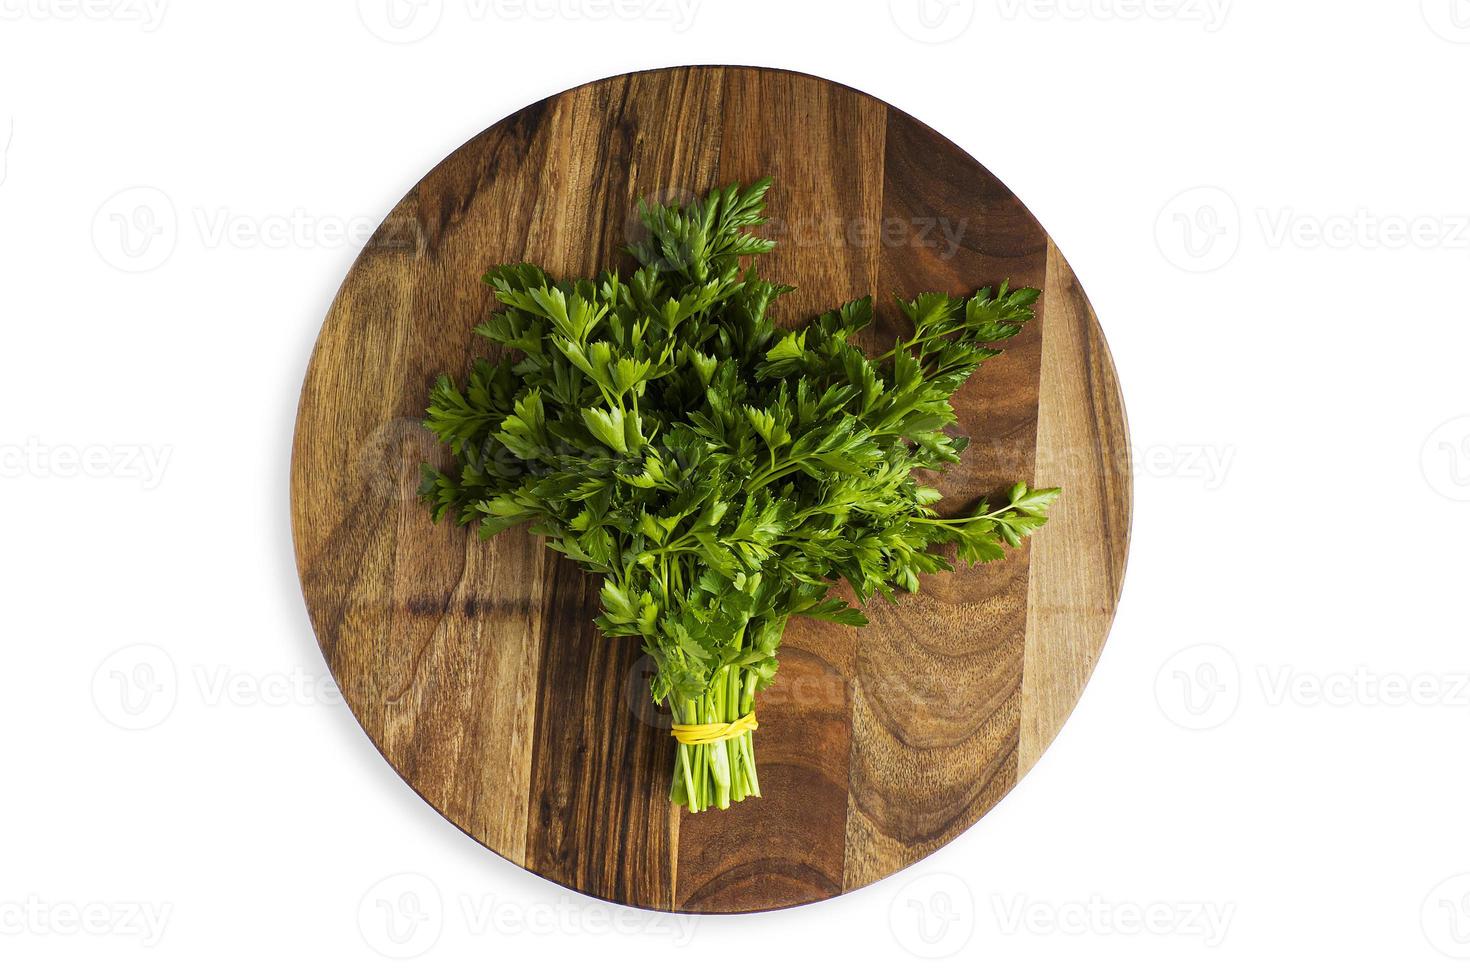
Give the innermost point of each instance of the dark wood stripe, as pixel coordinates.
(826, 154)
(937, 679)
(598, 801)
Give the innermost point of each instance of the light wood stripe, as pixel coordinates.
(1077, 564)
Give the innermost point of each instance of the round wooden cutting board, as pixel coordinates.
(475, 666)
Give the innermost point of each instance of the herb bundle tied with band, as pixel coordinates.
(720, 473)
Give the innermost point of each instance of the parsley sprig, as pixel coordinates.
(720, 473)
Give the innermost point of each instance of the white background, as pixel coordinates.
(1268, 204)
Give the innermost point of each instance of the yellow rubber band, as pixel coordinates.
(719, 731)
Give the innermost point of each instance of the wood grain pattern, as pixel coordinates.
(474, 666)
(1082, 445)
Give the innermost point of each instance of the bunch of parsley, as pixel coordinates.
(719, 473)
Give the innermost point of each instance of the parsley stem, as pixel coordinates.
(918, 338)
(963, 520)
(767, 474)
